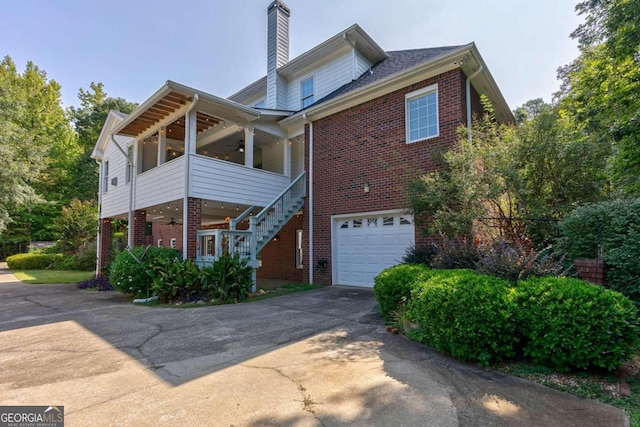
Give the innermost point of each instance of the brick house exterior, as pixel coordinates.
(345, 125)
(372, 136)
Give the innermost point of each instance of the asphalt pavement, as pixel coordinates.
(318, 358)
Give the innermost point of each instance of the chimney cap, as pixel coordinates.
(280, 4)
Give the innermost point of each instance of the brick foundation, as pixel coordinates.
(194, 221)
(139, 228)
(106, 230)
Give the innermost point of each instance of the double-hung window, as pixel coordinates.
(421, 110)
(306, 92)
(105, 175)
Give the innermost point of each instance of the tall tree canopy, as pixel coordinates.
(88, 120)
(601, 89)
(37, 146)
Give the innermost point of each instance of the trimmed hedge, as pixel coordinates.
(616, 226)
(36, 261)
(393, 285)
(558, 322)
(466, 314)
(568, 324)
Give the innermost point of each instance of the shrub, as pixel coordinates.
(516, 261)
(454, 254)
(615, 225)
(419, 254)
(393, 285)
(129, 276)
(229, 279)
(465, 314)
(175, 281)
(34, 261)
(568, 324)
(85, 257)
(100, 283)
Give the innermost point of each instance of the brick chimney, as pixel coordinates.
(277, 53)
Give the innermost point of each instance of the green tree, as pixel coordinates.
(601, 89)
(77, 225)
(37, 146)
(88, 120)
(506, 176)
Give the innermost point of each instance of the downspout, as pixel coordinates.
(98, 250)
(130, 216)
(187, 176)
(468, 89)
(310, 197)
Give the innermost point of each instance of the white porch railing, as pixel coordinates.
(262, 227)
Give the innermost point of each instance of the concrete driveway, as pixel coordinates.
(320, 358)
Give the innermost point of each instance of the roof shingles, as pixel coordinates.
(397, 61)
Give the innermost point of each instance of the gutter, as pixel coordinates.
(468, 90)
(310, 196)
(187, 174)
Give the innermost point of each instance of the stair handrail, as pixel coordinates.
(266, 209)
(235, 221)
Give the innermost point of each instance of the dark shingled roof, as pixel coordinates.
(399, 60)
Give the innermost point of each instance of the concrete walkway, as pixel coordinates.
(320, 358)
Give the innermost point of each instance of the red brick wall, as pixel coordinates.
(166, 233)
(193, 225)
(105, 244)
(279, 256)
(139, 228)
(366, 144)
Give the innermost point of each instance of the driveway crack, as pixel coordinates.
(307, 401)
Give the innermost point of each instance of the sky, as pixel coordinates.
(219, 46)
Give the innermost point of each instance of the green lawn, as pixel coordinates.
(45, 277)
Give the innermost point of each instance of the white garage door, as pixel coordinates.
(366, 245)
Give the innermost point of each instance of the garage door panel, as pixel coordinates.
(367, 245)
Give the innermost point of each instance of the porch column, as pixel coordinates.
(286, 155)
(191, 214)
(162, 146)
(139, 227)
(192, 226)
(248, 147)
(104, 250)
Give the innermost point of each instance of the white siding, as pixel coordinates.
(219, 180)
(327, 78)
(362, 64)
(273, 158)
(116, 200)
(297, 158)
(161, 184)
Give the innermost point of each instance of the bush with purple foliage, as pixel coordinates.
(100, 283)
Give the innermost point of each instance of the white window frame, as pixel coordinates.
(159, 243)
(173, 243)
(427, 91)
(105, 172)
(309, 97)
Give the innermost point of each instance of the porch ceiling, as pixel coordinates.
(163, 108)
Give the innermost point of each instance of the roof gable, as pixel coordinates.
(114, 118)
(396, 62)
